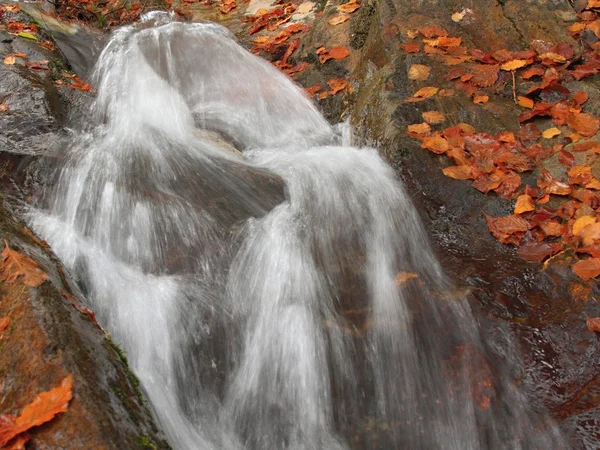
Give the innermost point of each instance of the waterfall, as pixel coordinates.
(271, 285)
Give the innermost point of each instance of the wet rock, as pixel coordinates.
(49, 338)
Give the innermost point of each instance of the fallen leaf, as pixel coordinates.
(433, 117)
(410, 48)
(10, 60)
(431, 31)
(590, 234)
(514, 64)
(42, 409)
(503, 228)
(311, 91)
(479, 99)
(463, 172)
(581, 223)
(419, 128)
(341, 18)
(18, 443)
(14, 265)
(583, 124)
(26, 35)
(3, 107)
(349, 7)
(550, 133)
(524, 204)
(402, 277)
(593, 324)
(587, 268)
(423, 94)
(525, 102)
(436, 144)
(418, 72)
(4, 323)
(536, 251)
(337, 85)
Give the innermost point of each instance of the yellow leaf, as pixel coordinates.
(525, 102)
(418, 72)
(581, 223)
(463, 172)
(550, 133)
(514, 64)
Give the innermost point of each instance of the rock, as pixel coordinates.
(49, 337)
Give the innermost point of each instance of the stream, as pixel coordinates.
(271, 284)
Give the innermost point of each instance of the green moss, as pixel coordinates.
(360, 25)
(144, 441)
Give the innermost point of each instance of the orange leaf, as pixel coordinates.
(340, 18)
(418, 72)
(431, 31)
(587, 268)
(337, 85)
(503, 228)
(18, 443)
(411, 48)
(479, 99)
(42, 409)
(349, 7)
(311, 91)
(525, 102)
(422, 94)
(514, 64)
(436, 144)
(463, 172)
(584, 124)
(14, 265)
(593, 324)
(338, 52)
(10, 60)
(419, 128)
(4, 323)
(524, 204)
(432, 117)
(402, 277)
(581, 223)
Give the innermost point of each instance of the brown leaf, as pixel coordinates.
(484, 75)
(551, 185)
(4, 323)
(590, 234)
(534, 71)
(433, 117)
(524, 204)
(431, 31)
(566, 158)
(479, 99)
(587, 268)
(15, 265)
(502, 228)
(42, 409)
(536, 251)
(418, 72)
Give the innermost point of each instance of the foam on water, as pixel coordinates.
(257, 297)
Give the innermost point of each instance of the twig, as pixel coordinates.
(514, 86)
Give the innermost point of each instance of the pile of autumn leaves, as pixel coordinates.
(279, 38)
(494, 163)
(18, 268)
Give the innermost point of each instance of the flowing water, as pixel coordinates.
(271, 284)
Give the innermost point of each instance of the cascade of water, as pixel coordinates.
(284, 297)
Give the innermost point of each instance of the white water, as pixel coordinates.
(257, 318)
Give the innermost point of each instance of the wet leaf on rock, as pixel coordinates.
(14, 265)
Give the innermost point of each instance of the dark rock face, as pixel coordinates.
(559, 368)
